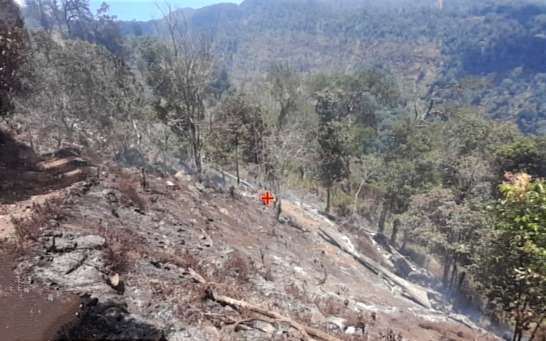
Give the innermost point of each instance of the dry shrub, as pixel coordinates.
(329, 306)
(130, 196)
(297, 293)
(30, 228)
(115, 256)
(391, 335)
(237, 267)
(303, 317)
(266, 270)
(119, 244)
(184, 259)
(356, 319)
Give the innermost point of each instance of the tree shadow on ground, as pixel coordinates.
(107, 321)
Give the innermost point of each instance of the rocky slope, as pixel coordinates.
(151, 258)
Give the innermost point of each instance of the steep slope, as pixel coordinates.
(155, 258)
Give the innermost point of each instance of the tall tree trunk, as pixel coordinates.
(539, 324)
(394, 234)
(282, 116)
(328, 195)
(237, 163)
(197, 159)
(383, 217)
(278, 210)
(404, 241)
(447, 267)
(196, 148)
(461, 281)
(518, 328)
(357, 195)
(454, 271)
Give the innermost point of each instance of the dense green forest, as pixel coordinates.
(487, 54)
(427, 123)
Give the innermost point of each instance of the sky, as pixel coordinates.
(147, 9)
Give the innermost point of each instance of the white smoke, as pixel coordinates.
(21, 3)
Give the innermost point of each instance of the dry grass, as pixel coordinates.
(29, 228)
(120, 243)
(330, 306)
(296, 293)
(237, 267)
(130, 196)
(391, 335)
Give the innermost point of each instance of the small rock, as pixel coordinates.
(63, 245)
(90, 242)
(116, 283)
(265, 327)
(180, 335)
(114, 280)
(336, 322)
(350, 330)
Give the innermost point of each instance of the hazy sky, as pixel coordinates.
(147, 9)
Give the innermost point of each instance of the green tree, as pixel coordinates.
(221, 84)
(525, 155)
(447, 228)
(78, 19)
(87, 93)
(332, 154)
(107, 32)
(410, 166)
(12, 53)
(237, 133)
(512, 268)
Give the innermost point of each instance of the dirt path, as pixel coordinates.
(19, 210)
(31, 314)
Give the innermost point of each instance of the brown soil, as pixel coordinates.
(31, 314)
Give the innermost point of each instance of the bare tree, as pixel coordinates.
(179, 74)
(284, 88)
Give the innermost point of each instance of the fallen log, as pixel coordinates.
(409, 290)
(306, 331)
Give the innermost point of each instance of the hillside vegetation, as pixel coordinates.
(486, 54)
(407, 136)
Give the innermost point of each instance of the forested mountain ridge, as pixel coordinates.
(385, 131)
(487, 54)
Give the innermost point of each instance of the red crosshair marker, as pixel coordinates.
(267, 198)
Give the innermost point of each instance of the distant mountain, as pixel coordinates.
(496, 49)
